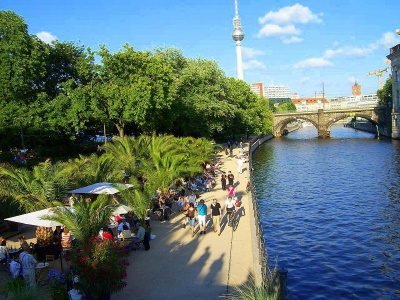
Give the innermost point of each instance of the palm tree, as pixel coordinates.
(36, 189)
(90, 169)
(123, 153)
(86, 218)
(139, 200)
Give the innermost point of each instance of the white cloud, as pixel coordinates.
(291, 40)
(388, 40)
(250, 53)
(270, 30)
(254, 64)
(296, 13)
(314, 62)
(349, 51)
(46, 37)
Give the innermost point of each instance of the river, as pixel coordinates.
(330, 210)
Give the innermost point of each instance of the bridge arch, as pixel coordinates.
(356, 115)
(283, 123)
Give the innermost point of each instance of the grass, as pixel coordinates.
(270, 290)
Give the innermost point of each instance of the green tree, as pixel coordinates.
(286, 106)
(385, 94)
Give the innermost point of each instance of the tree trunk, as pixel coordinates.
(121, 130)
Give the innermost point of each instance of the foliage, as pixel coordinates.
(36, 189)
(286, 106)
(16, 289)
(86, 218)
(385, 94)
(251, 291)
(86, 170)
(100, 266)
(139, 200)
(61, 89)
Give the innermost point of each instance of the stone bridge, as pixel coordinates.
(324, 119)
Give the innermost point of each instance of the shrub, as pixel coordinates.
(101, 267)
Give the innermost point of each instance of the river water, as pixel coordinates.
(331, 213)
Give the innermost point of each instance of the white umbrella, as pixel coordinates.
(102, 188)
(35, 218)
(121, 210)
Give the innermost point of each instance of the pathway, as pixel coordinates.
(203, 267)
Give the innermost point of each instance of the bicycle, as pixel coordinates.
(231, 217)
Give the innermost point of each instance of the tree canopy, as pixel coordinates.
(385, 94)
(63, 89)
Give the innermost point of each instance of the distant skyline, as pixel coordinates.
(298, 44)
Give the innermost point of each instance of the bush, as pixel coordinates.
(16, 289)
(101, 267)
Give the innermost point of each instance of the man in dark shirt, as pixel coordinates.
(216, 215)
(230, 178)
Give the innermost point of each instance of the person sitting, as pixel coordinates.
(66, 240)
(3, 250)
(107, 234)
(121, 225)
(125, 233)
(118, 219)
(139, 237)
(21, 240)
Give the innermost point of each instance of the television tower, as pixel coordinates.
(238, 36)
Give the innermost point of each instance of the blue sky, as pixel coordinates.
(299, 44)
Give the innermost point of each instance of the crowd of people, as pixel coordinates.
(195, 209)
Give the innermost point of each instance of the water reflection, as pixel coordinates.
(330, 212)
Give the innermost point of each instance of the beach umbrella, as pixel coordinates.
(35, 218)
(121, 210)
(101, 188)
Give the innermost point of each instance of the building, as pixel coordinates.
(257, 88)
(394, 57)
(310, 104)
(276, 92)
(356, 89)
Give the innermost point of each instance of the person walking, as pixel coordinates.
(223, 182)
(216, 215)
(231, 178)
(230, 209)
(191, 217)
(239, 163)
(231, 191)
(202, 213)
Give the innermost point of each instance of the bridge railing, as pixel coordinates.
(329, 109)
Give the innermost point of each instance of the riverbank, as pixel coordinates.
(179, 266)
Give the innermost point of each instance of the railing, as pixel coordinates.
(263, 257)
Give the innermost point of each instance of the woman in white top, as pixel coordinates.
(28, 264)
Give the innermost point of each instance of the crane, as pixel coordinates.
(379, 73)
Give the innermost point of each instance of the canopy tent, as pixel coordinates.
(121, 210)
(102, 188)
(35, 218)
